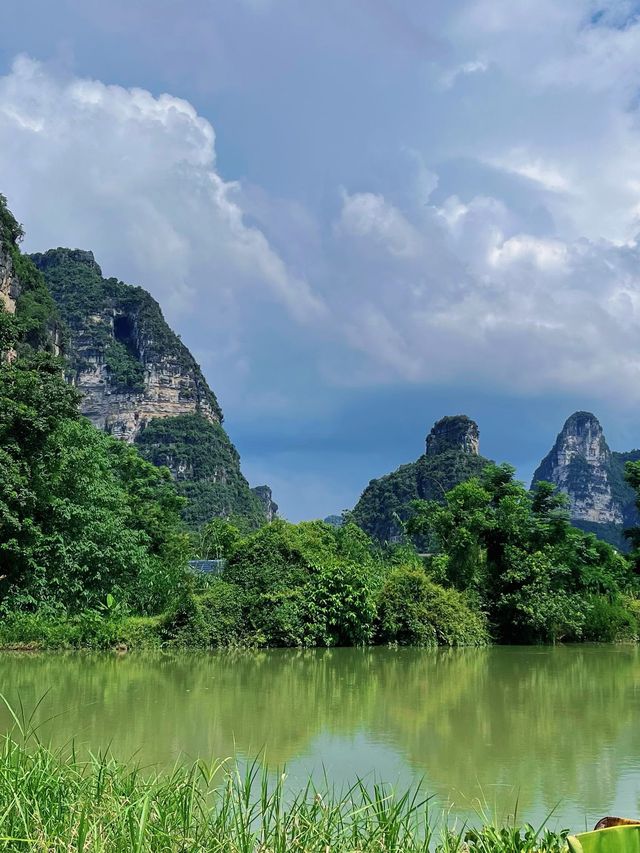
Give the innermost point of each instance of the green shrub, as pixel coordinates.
(340, 605)
(34, 630)
(88, 630)
(277, 619)
(92, 630)
(413, 610)
(140, 632)
(185, 624)
(269, 560)
(610, 620)
(222, 611)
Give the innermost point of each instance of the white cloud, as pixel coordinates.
(502, 309)
(368, 216)
(76, 152)
(520, 162)
(561, 106)
(476, 66)
(395, 286)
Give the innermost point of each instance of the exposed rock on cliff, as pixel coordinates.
(123, 357)
(9, 286)
(451, 457)
(454, 432)
(265, 496)
(141, 384)
(582, 466)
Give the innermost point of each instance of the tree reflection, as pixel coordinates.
(554, 723)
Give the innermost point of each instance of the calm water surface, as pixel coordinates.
(540, 726)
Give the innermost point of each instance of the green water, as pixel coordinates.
(540, 726)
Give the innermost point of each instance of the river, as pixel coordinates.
(538, 726)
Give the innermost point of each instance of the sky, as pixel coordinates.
(360, 215)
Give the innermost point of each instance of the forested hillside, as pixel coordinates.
(451, 457)
(140, 383)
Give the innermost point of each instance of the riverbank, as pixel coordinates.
(53, 801)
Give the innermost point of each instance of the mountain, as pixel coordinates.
(451, 456)
(141, 384)
(265, 496)
(582, 465)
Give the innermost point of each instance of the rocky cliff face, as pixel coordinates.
(582, 466)
(9, 285)
(265, 496)
(579, 464)
(454, 432)
(123, 357)
(452, 456)
(141, 384)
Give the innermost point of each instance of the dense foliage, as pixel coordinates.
(81, 514)
(515, 553)
(386, 503)
(206, 466)
(84, 520)
(94, 546)
(39, 322)
(416, 611)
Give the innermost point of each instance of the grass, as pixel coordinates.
(88, 630)
(52, 800)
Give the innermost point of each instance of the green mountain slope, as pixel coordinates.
(451, 457)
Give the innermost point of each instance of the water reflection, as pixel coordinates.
(556, 724)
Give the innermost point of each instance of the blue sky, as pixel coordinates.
(360, 215)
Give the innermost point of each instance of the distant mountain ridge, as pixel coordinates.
(452, 455)
(582, 465)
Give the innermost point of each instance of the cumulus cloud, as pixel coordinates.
(529, 313)
(425, 286)
(559, 107)
(134, 177)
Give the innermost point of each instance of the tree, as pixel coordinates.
(81, 514)
(417, 612)
(517, 553)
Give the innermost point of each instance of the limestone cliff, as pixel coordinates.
(581, 465)
(454, 432)
(123, 357)
(9, 285)
(451, 456)
(265, 496)
(141, 384)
